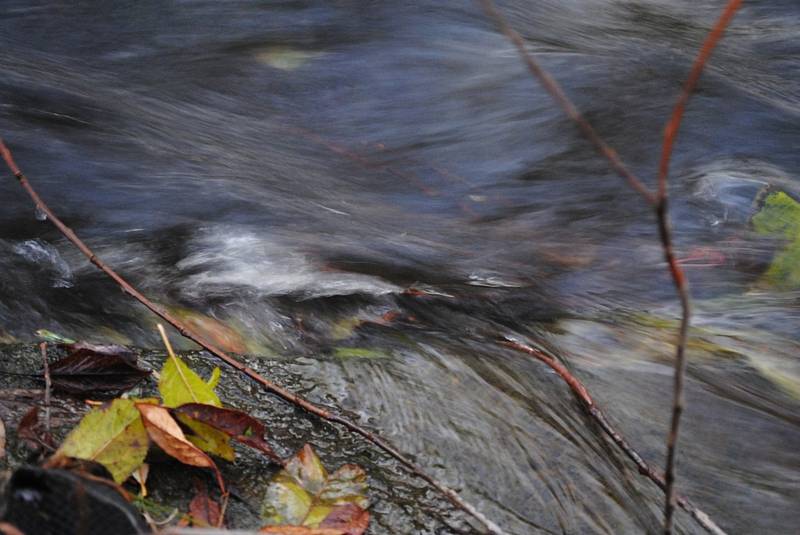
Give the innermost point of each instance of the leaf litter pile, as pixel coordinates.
(107, 461)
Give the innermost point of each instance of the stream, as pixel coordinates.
(364, 196)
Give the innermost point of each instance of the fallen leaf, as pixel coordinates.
(179, 385)
(204, 511)
(166, 432)
(96, 368)
(300, 530)
(49, 336)
(237, 424)
(207, 438)
(26, 428)
(8, 529)
(140, 475)
(215, 331)
(113, 436)
(350, 518)
(780, 216)
(29, 431)
(303, 494)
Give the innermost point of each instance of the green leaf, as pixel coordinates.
(303, 494)
(50, 336)
(113, 436)
(180, 385)
(780, 216)
(287, 502)
(208, 439)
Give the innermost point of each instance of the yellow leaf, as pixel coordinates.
(208, 439)
(113, 436)
(179, 385)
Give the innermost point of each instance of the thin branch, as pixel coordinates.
(678, 277)
(616, 437)
(268, 385)
(555, 90)
(658, 200)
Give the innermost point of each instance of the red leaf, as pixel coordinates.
(96, 368)
(237, 424)
(205, 512)
(28, 430)
(350, 518)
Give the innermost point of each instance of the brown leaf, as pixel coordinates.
(9, 529)
(96, 368)
(166, 432)
(205, 512)
(350, 518)
(237, 424)
(28, 430)
(300, 530)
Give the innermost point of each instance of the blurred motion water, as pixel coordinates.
(292, 167)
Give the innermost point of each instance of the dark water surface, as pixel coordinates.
(290, 168)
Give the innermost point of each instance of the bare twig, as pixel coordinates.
(658, 200)
(678, 277)
(553, 87)
(47, 386)
(268, 385)
(616, 437)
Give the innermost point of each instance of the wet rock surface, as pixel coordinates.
(401, 503)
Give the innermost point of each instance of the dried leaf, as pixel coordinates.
(9, 529)
(204, 511)
(350, 518)
(166, 432)
(96, 368)
(300, 530)
(112, 435)
(140, 475)
(307, 470)
(236, 424)
(303, 494)
(180, 385)
(348, 484)
(29, 431)
(207, 438)
(215, 331)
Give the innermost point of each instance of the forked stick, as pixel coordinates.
(658, 200)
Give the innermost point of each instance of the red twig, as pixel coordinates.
(616, 437)
(678, 277)
(555, 90)
(659, 201)
(268, 385)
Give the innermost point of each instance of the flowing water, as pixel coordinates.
(290, 169)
